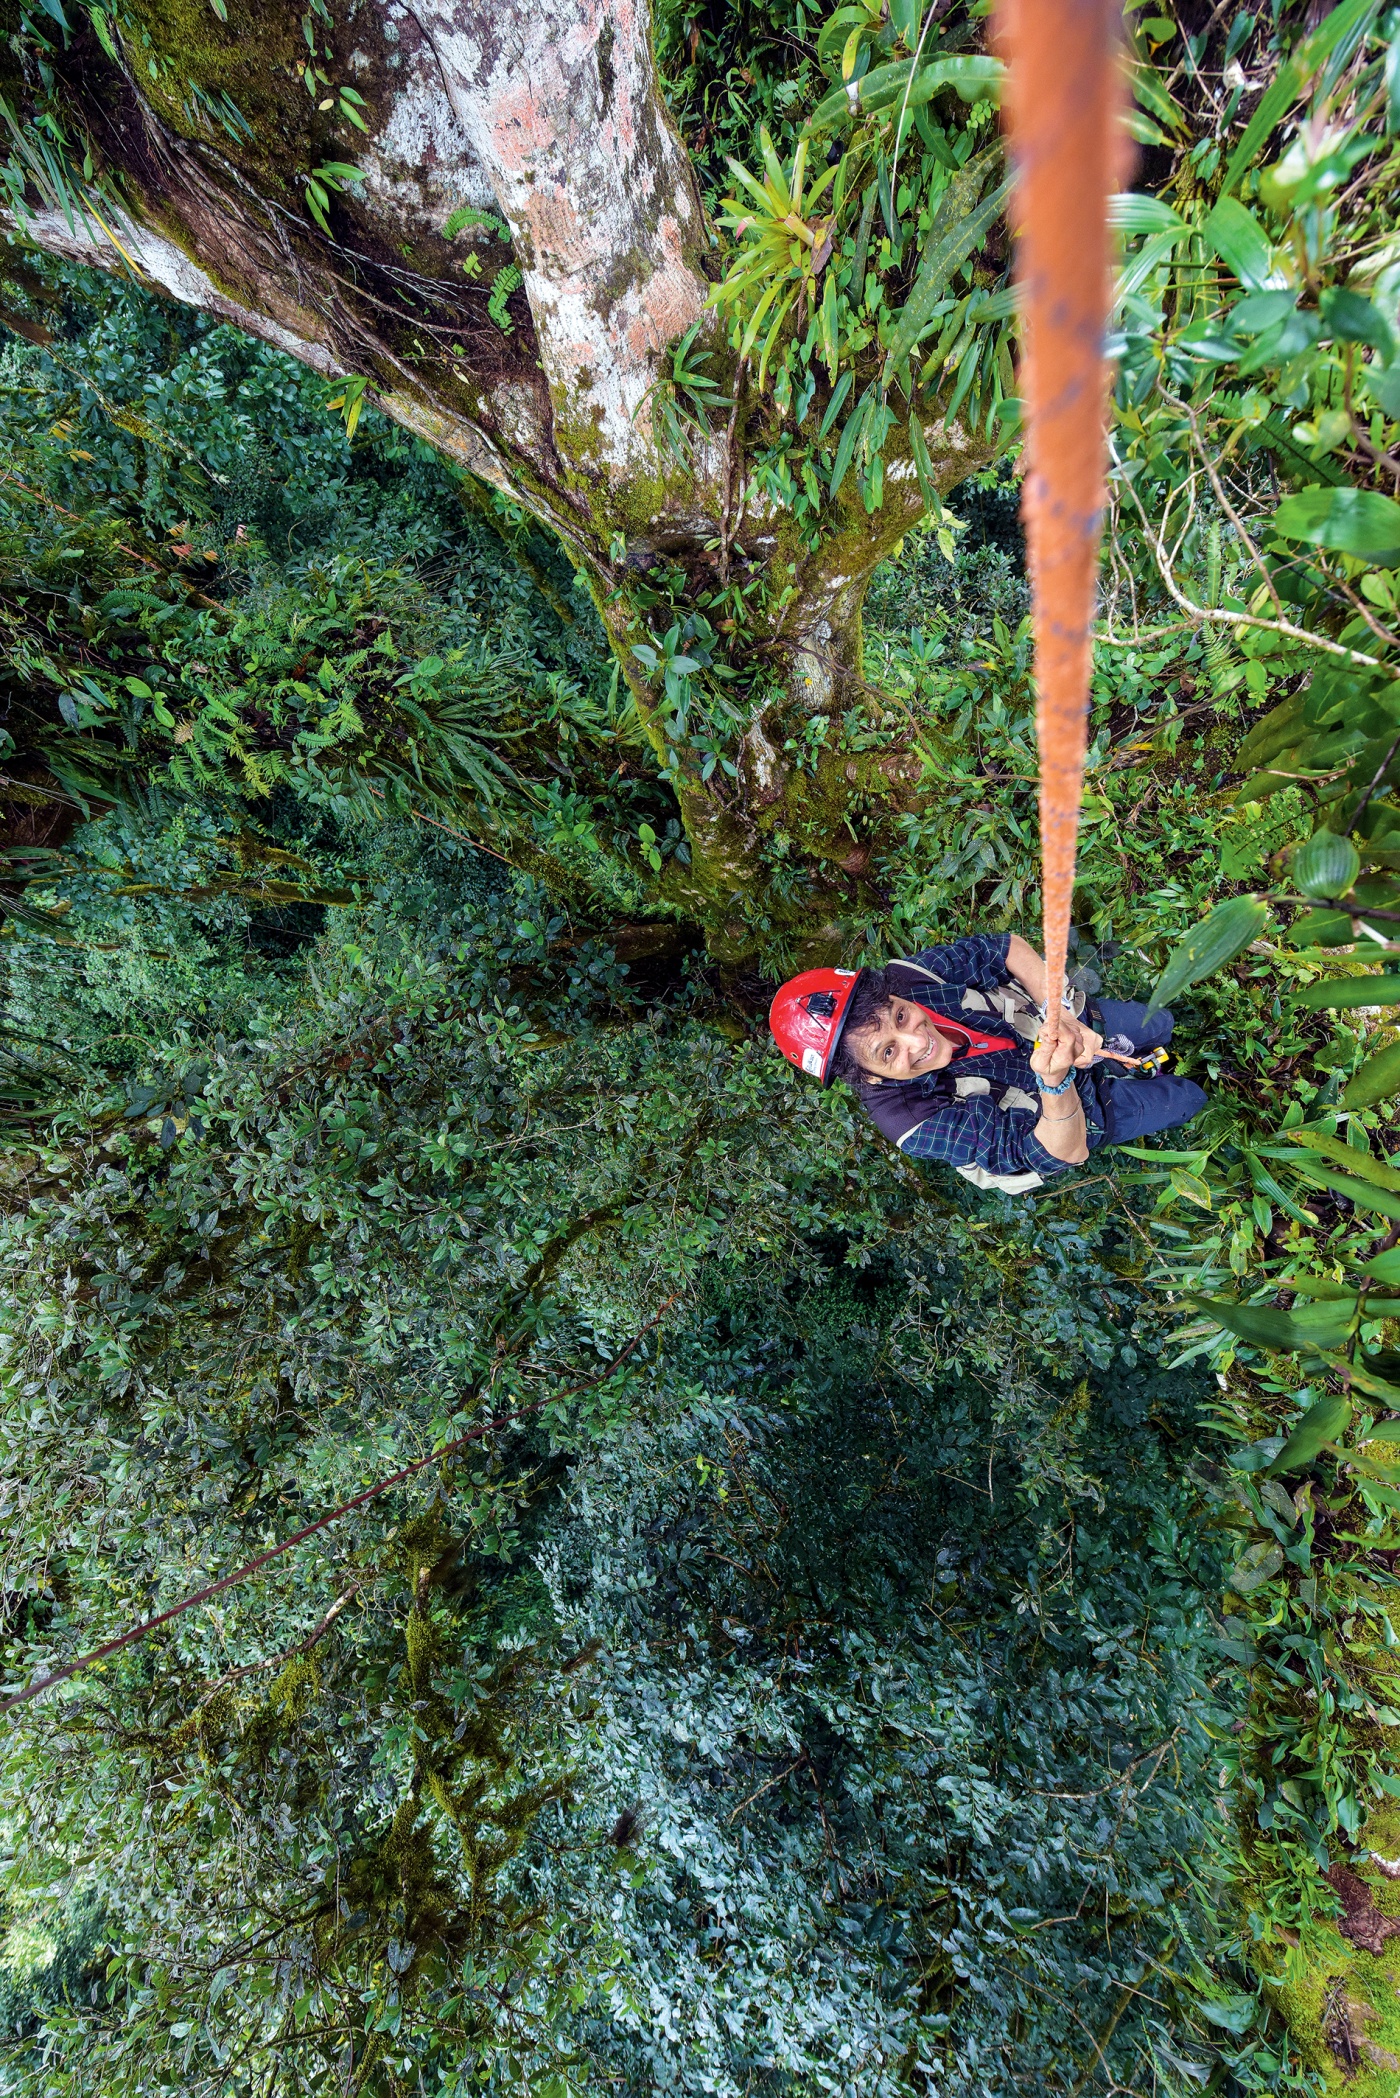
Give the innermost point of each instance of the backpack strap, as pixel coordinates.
(1010, 1001)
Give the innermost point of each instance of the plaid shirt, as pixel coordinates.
(977, 1131)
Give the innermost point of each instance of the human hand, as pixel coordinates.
(1086, 1044)
(1054, 1064)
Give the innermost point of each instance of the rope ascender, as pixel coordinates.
(1067, 146)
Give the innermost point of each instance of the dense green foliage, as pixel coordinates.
(877, 1739)
(345, 1178)
(825, 1683)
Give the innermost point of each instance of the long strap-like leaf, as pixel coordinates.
(1290, 80)
(959, 225)
(973, 75)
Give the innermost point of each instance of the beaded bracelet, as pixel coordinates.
(1063, 1087)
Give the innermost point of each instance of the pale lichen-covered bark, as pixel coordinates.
(419, 163)
(121, 241)
(545, 118)
(549, 118)
(563, 111)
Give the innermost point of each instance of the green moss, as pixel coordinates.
(254, 59)
(295, 1686)
(1342, 2005)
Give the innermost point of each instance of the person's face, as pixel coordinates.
(902, 1043)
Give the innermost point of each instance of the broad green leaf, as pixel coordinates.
(974, 76)
(1235, 2013)
(1279, 1499)
(1142, 128)
(1363, 1194)
(1383, 1431)
(1254, 1456)
(1385, 1266)
(1345, 994)
(1190, 1186)
(1194, 1159)
(835, 404)
(1208, 341)
(1321, 1424)
(1353, 318)
(1130, 213)
(959, 225)
(1261, 785)
(1259, 1564)
(838, 26)
(1364, 1379)
(1376, 1463)
(1279, 730)
(1321, 929)
(1260, 311)
(1344, 1154)
(1352, 520)
(1326, 865)
(1236, 236)
(1377, 1080)
(1209, 945)
(1155, 250)
(923, 466)
(1313, 1326)
(851, 429)
(1153, 93)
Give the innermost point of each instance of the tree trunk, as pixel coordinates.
(524, 250)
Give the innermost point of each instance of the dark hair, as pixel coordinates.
(872, 995)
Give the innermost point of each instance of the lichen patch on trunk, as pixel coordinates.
(563, 112)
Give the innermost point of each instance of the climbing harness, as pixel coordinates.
(1062, 101)
(1149, 1066)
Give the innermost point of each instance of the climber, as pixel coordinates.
(943, 1053)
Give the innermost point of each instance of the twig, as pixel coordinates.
(1381, 634)
(1112, 1786)
(1180, 65)
(475, 843)
(1361, 442)
(303, 1646)
(1212, 615)
(1380, 773)
(409, 1471)
(1223, 499)
(1125, 1994)
(767, 1786)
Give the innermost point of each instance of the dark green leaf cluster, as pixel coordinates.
(816, 1690)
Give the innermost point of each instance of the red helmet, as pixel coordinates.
(808, 1015)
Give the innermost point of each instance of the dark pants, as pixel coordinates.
(1130, 1108)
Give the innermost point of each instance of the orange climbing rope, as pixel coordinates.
(1062, 118)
